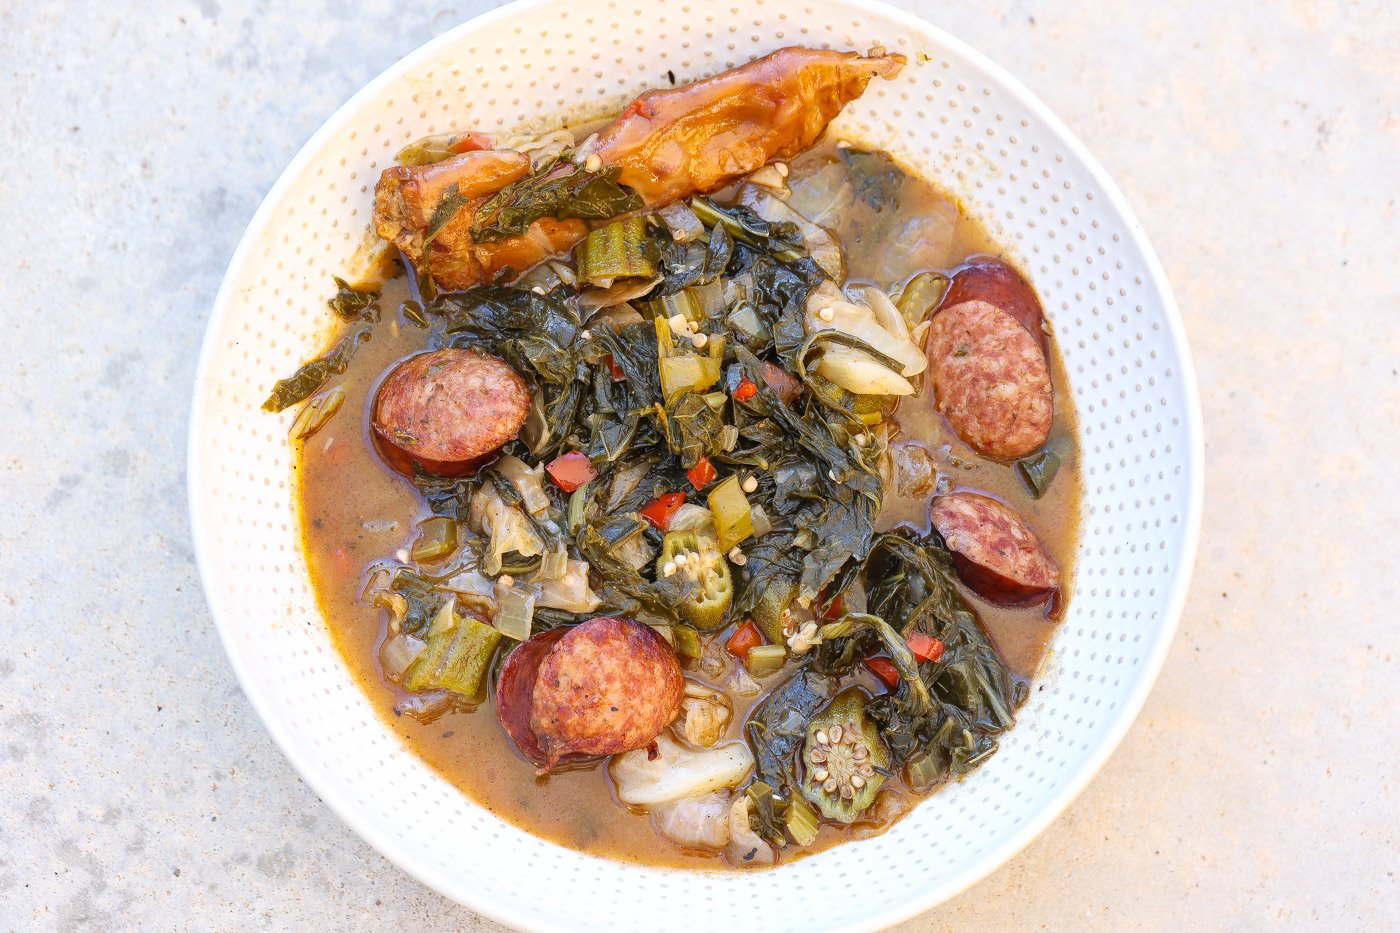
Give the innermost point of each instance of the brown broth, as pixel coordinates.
(354, 510)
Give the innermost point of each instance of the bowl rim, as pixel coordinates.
(508, 912)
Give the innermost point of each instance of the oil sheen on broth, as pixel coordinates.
(355, 510)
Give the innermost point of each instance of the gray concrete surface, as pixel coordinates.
(1260, 144)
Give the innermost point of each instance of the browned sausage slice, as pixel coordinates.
(994, 551)
(608, 686)
(600, 688)
(991, 380)
(448, 410)
(993, 281)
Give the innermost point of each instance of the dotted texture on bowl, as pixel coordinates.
(946, 116)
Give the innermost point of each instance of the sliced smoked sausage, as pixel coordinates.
(993, 281)
(448, 410)
(600, 688)
(994, 551)
(990, 380)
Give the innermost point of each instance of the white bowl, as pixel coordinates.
(956, 118)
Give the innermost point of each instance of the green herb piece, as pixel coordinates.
(451, 204)
(623, 589)
(782, 240)
(560, 189)
(768, 812)
(1038, 470)
(353, 304)
(302, 384)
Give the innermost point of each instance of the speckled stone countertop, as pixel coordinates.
(1259, 143)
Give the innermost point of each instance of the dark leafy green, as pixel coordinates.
(560, 189)
(624, 590)
(775, 730)
(354, 304)
(1038, 470)
(695, 429)
(958, 704)
(305, 382)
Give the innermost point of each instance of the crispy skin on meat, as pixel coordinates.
(700, 137)
(669, 144)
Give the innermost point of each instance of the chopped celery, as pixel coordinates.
(437, 538)
(765, 659)
(456, 658)
(685, 302)
(801, 821)
(744, 321)
(578, 504)
(732, 517)
(687, 641)
(317, 412)
(515, 612)
(682, 374)
(617, 251)
(925, 770)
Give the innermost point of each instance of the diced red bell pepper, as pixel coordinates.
(702, 474)
(571, 470)
(925, 647)
(883, 668)
(745, 638)
(834, 609)
(745, 390)
(662, 509)
(784, 384)
(617, 374)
